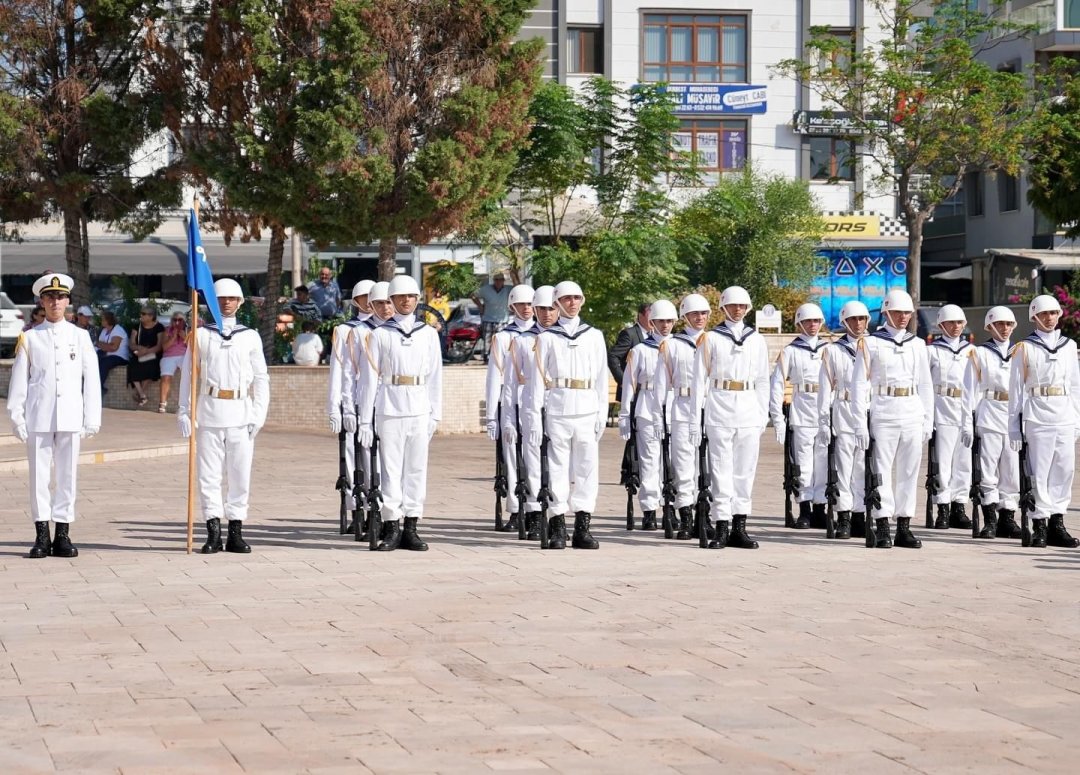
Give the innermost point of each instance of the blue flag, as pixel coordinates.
(199, 276)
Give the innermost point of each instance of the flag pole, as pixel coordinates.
(193, 349)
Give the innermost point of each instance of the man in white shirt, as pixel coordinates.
(308, 346)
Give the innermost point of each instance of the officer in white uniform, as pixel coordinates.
(892, 384)
(402, 386)
(639, 391)
(986, 392)
(835, 403)
(949, 357)
(54, 400)
(800, 364)
(233, 391)
(521, 298)
(731, 384)
(1044, 387)
(674, 379)
(571, 358)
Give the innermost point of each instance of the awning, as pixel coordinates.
(960, 273)
(1062, 259)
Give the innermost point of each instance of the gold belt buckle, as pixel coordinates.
(953, 392)
(1054, 390)
(227, 395)
(731, 384)
(1001, 395)
(901, 392)
(579, 384)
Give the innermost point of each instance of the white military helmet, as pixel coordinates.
(544, 296)
(951, 313)
(853, 309)
(521, 294)
(735, 295)
(662, 309)
(380, 291)
(808, 311)
(897, 301)
(404, 285)
(997, 315)
(694, 302)
(568, 288)
(1043, 303)
(227, 288)
(362, 288)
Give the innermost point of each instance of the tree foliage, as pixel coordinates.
(1054, 171)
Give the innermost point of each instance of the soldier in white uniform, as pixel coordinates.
(571, 359)
(1044, 387)
(674, 379)
(54, 400)
(835, 403)
(800, 364)
(892, 385)
(233, 396)
(402, 386)
(986, 389)
(639, 391)
(731, 384)
(949, 357)
(521, 298)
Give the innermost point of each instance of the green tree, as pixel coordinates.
(1054, 171)
(926, 110)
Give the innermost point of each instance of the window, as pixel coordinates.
(973, 185)
(1008, 199)
(1072, 14)
(585, 50)
(720, 145)
(694, 48)
(838, 59)
(832, 158)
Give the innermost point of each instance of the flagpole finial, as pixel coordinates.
(195, 205)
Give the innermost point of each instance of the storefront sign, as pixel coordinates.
(851, 226)
(715, 98)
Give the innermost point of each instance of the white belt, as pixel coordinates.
(224, 394)
(895, 391)
(1049, 390)
(949, 392)
(806, 387)
(732, 384)
(572, 384)
(682, 392)
(996, 395)
(405, 379)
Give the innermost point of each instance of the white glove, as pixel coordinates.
(509, 433)
(365, 434)
(88, 431)
(695, 435)
(966, 437)
(493, 429)
(536, 438)
(927, 434)
(21, 433)
(335, 424)
(253, 431)
(433, 425)
(781, 430)
(862, 439)
(598, 427)
(349, 422)
(824, 436)
(657, 431)
(183, 423)
(624, 428)
(1015, 444)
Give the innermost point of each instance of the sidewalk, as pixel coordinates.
(486, 654)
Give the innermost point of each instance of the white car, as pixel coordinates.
(11, 325)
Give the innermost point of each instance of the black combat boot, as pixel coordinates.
(942, 521)
(843, 525)
(532, 526)
(1006, 524)
(582, 537)
(722, 534)
(42, 542)
(1038, 533)
(686, 515)
(858, 524)
(884, 540)
(1057, 535)
(739, 538)
(62, 546)
(391, 535)
(557, 532)
(648, 520)
(958, 517)
(905, 539)
(990, 520)
(235, 543)
(510, 525)
(803, 522)
(818, 517)
(213, 543)
(410, 540)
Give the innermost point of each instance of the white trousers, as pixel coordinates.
(573, 456)
(1000, 470)
(649, 459)
(899, 445)
(1051, 458)
(225, 451)
(684, 464)
(531, 454)
(733, 455)
(850, 473)
(510, 455)
(813, 460)
(954, 466)
(48, 452)
(403, 458)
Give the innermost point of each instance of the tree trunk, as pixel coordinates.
(387, 258)
(77, 255)
(915, 222)
(268, 319)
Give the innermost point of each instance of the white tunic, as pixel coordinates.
(731, 356)
(888, 362)
(341, 370)
(949, 359)
(355, 360)
(571, 358)
(675, 376)
(404, 373)
(497, 364)
(229, 360)
(837, 383)
(986, 385)
(1044, 363)
(55, 386)
(642, 365)
(800, 364)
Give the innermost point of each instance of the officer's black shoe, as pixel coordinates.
(410, 540)
(557, 532)
(582, 537)
(42, 542)
(1006, 524)
(905, 539)
(958, 517)
(739, 538)
(722, 534)
(858, 524)
(235, 543)
(532, 526)
(942, 521)
(884, 540)
(391, 535)
(843, 525)
(510, 525)
(62, 546)
(686, 515)
(990, 520)
(213, 543)
(1038, 533)
(803, 522)
(818, 517)
(648, 520)
(1057, 535)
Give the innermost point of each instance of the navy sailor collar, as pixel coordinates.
(847, 344)
(727, 332)
(396, 326)
(685, 338)
(235, 330)
(884, 334)
(1035, 339)
(962, 345)
(558, 329)
(991, 346)
(801, 344)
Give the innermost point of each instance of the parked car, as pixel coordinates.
(11, 325)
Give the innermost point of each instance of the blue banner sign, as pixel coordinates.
(716, 98)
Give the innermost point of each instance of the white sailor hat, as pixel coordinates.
(53, 281)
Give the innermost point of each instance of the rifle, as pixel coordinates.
(832, 486)
(502, 486)
(976, 478)
(631, 463)
(1027, 492)
(374, 495)
(704, 494)
(544, 496)
(359, 493)
(933, 480)
(668, 489)
(342, 484)
(792, 472)
(521, 489)
(871, 496)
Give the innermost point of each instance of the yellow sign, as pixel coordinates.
(840, 226)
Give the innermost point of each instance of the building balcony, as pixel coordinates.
(1056, 22)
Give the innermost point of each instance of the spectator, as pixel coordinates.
(302, 306)
(627, 340)
(326, 294)
(308, 347)
(146, 343)
(85, 319)
(112, 347)
(173, 349)
(37, 316)
(440, 303)
(69, 314)
(494, 301)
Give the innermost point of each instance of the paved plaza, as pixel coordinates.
(485, 654)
